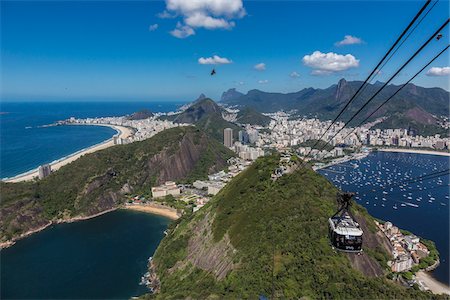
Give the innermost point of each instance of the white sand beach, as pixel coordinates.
(435, 286)
(155, 209)
(414, 151)
(123, 132)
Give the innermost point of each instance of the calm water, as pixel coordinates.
(103, 257)
(25, 146)
(430, 219)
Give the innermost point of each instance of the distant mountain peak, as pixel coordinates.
(201, 97)
(378, 83)
(231, 94)
(340, 88)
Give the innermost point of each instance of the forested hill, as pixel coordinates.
(264, 238)
(99, 181)
(206, 115)
(414, 106)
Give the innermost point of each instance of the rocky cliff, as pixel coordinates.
(99, 181)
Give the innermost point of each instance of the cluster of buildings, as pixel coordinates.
(168, 188)
(407, 249)
(218, 180)
(199, 193)
(242, 147)
(143, 129)
(284, 132)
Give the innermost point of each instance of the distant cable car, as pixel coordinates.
(345, 233)
(213, 72)
(439, 36)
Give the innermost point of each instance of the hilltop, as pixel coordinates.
(416, 107)
(99, 181)
(264, 238)
(207, 115)
(249, 115)
(140, 115)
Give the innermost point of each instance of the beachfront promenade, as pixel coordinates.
(122, 132)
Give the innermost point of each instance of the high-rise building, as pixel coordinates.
(252, 135)
(44, 171)
(228, 137)
(243, 137)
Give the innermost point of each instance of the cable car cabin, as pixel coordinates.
(345, 234)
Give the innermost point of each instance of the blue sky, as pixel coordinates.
(107, 50)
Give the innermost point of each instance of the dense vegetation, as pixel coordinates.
(249, 115)
(98, 181)
(207, 115)
(278, 233)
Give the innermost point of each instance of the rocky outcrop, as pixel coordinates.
(99, 181)
(210, 256)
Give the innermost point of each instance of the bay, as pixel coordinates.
(100, 258)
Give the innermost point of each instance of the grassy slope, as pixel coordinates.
(287, 218)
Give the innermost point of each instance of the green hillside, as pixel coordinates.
(207, 115)
(249, 115)
(258, 237)
(99, 181)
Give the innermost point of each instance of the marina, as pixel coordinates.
(383, 183)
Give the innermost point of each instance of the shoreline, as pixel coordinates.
(434, 285)
(415, 151)
(7, 244)
(122, 132)
(155, 209)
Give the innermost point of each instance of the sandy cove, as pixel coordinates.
(123, 132)
(435, 286)
(156, 209)
(417, 151)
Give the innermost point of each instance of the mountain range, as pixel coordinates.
(413, 107)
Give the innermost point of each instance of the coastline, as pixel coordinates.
(122, 132)
(429, 282)
(155, 209)
(416, 151)
(10, 243)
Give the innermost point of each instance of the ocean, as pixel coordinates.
(25, 145)
(100, 258)
(419, 207)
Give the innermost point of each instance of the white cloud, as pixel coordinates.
(153, 27)
(294, 75)
(260, 67)
(209, 14)
(166, 15)
(263, 81)
(439, 71)
(202, 20)
(327, 63)
(349, 40)
(215, 60)
(241, 83)
(182, 31)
